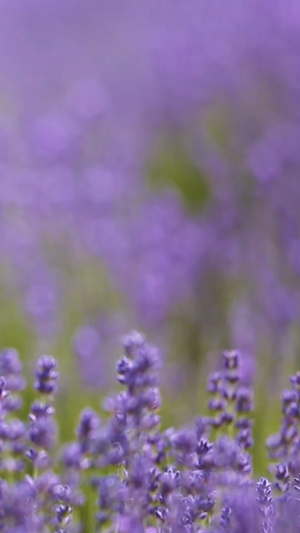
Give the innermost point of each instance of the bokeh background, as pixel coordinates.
(149, 179)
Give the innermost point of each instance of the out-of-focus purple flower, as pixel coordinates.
(85, 129)
(93, 346)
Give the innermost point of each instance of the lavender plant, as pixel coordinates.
(124, 473)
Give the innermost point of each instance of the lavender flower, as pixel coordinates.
(123, 472)
(46, 375)
(266, 509)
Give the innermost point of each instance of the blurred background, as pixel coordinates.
(149, 179)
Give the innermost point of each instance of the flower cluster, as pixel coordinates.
(123, 473)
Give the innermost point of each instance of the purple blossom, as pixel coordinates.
(46, 375)
(125, 472)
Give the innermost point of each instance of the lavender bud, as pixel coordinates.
(3, 392)
(225, 517)
(295, 381)
(11, 368)
(244, 400)
(89, 422)
(214, 384)
(46, 375)
(133, 341)
(231, 359)
(42, 433)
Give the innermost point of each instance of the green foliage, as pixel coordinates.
(171, 165)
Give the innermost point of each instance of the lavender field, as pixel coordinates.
(149, 266)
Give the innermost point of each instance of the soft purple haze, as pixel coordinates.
(87, 92)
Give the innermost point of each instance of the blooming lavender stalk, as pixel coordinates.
(11, 369)
(42, 426)
(266, 509)
(284, 446)
(53, 498)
